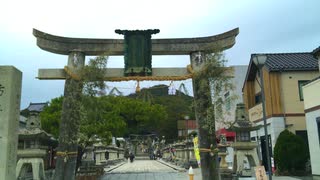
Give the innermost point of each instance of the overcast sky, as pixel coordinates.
(266, 26)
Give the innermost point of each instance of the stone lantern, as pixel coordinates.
(245, 154)
(35, 148)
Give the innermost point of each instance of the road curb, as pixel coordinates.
(179, 169)
(111, 169)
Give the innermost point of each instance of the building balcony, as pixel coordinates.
(255, 112)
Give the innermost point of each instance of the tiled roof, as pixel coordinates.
(37, 106)
(316, 51)
(291, 62)
(304, 61)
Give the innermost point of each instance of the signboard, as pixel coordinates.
(137, 51)
(260, 173)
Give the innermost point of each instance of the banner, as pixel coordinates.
(196, 149)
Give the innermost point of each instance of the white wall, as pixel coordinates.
(313, 137)
(275, 126)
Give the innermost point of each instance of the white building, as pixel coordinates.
(311, 92)
(231, 97)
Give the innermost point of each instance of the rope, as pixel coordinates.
(66, 153)
(71, 74)
(138, 78)
(212, 151)
(149, 78)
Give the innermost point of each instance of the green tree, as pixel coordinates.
(107, 116)
(138, 115)
(51, 116)
(99, 118)
(290, 153)
(176, 106)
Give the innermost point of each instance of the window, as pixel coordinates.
(30, 144)
(227, 101)
(300, 84)
(318, 125)
(243, 136)
(258, 98)
(21, 144)
(304, 135)
(218, 110)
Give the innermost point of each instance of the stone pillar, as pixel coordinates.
(121, 153)
(206, 126)
(112, 154)
(70, 118)
(10, 94)
(100, 156)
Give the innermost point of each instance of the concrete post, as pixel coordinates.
(10, 94)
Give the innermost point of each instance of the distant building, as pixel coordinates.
(311, 94)
(22, 122)
(37, 107)
(231, 97)
(185, 127)
(283, 77)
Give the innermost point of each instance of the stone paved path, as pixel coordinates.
(155, 170)
(145, 170)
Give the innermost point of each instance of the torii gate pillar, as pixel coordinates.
(70, 119)
(202, 100)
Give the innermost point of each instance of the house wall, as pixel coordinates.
(271, 89)
(273, 105)
(281, 97)
(312, 108)
(293, 107)
(313, 138)
(311, 94)
(248, 94)
(296, 123)
(272, 93)
(290, 88)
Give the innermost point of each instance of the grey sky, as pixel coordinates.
(266, 26)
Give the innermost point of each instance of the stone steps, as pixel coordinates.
(142, 158)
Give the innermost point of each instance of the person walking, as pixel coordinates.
(131, 156)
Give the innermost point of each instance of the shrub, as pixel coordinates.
(290, 153)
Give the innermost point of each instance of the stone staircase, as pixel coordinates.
(142, 156)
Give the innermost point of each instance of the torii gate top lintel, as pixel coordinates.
(94, 47)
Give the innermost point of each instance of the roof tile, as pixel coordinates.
(291, 62)
(37, 106)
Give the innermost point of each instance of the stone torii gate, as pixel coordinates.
(78, 48)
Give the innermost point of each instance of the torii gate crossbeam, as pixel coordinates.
(95, 47)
